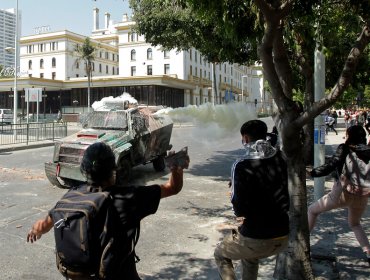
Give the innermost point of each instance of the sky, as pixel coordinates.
(73, 15)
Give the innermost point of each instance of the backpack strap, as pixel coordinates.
(136, 239)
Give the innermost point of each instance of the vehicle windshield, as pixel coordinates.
(7, 111)
(106, 120)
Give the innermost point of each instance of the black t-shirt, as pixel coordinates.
(134, 203)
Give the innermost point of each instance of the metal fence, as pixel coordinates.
(31, 132)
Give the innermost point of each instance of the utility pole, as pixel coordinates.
(319, 133)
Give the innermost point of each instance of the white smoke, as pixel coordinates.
(213, 121)
(110, 100)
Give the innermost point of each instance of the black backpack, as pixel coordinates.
(88, 235)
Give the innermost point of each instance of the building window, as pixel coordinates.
(41, 64)
(191, 70)
(149, 54)
(41, 48)
(77, 75)
(52, 46)
(191, 54)
(166, 69)
(30, 65)
(149, 70)
(196, 56)
(41, 75)
(106, 55)
(93, 66)
(53, 62)
(133, 55)
(133, 37)
(53, 75)
(30, 75)
(166, 54)
(117, 71)
(30, 49)
(113, 70)
(113, 56)
(133, 70)
(77, 65)
(100, 68)
(106, 69)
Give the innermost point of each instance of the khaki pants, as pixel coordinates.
(356, 206)
(237, 247)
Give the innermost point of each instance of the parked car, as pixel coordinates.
(6, 116)
(136, 134)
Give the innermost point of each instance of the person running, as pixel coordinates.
(337, 198)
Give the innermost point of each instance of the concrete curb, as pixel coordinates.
(23, 146)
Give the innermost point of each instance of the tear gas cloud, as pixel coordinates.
(213, 122)
(119, 99)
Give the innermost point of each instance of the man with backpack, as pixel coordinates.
(96, 225)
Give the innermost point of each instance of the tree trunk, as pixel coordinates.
(308, 152)
(294, 262)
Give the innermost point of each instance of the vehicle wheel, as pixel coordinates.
(50, 174)
(123, 175)
(159, 164)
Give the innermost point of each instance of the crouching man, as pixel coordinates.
(259, 194)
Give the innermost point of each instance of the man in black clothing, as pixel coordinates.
(132, 203)
(259, 194)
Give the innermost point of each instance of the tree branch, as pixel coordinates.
(344, 79)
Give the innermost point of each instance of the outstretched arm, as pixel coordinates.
(39, 228)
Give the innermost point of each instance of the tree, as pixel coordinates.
(280, 32)
(86, 53)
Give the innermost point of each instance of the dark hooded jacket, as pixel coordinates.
(260, 192)
(336, 162)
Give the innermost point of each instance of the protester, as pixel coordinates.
(337, 198)
(329, 122)
(132, 203)
(59, 116)
(259, 194)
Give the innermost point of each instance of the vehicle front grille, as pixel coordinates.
(71, 154)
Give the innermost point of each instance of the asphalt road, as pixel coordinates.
(175, 243)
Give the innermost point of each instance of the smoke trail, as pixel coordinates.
(213, 122)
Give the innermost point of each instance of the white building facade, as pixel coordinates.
(53, 56)
(125, 62)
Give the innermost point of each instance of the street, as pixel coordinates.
(175, 243)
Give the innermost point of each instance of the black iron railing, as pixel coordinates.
(31, 132)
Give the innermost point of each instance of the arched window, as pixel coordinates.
(41, 64)
(30, 64)
(133, 55)
(53, 62)
(149, 54)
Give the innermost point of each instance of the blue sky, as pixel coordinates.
(73, 15)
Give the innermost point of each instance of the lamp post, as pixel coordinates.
(15, 50)
(244, 76)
